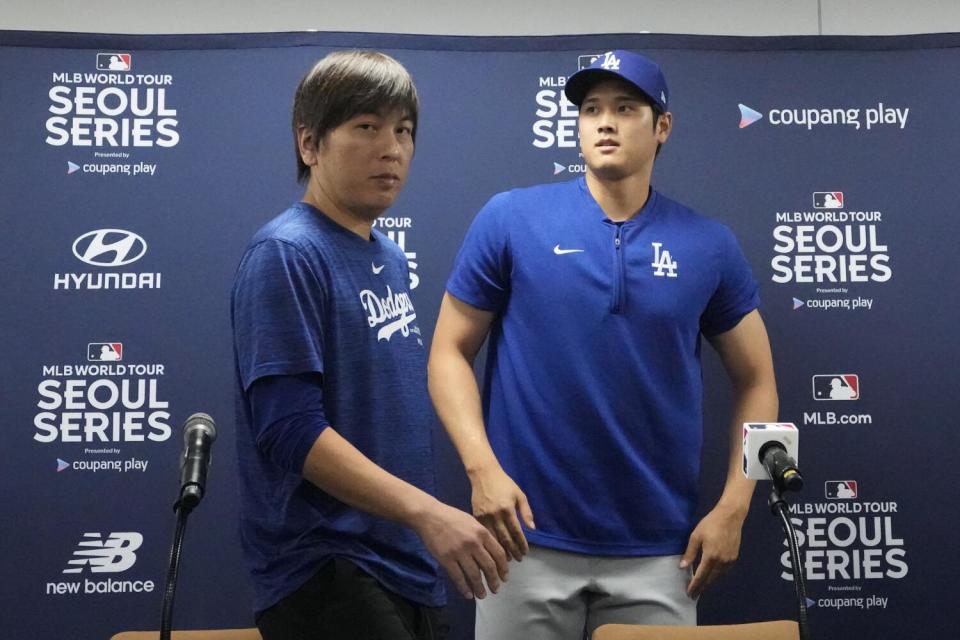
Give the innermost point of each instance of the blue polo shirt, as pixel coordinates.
(314, 303)
(593, 395)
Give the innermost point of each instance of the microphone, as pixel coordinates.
(780, 466)
(770, 453)
(199, 432)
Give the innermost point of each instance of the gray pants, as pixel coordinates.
(556, 595)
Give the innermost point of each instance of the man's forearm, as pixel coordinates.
(757, 402)
(496, 499)
(456, 397)
(343, 471)
(464, 548)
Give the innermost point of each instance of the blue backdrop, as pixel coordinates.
(134, 169)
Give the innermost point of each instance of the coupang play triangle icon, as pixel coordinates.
(748, 116)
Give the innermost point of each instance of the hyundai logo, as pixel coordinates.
(109, 247)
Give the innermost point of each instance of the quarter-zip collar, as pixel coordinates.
(640, 219)
(621, 233)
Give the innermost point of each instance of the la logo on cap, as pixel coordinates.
(610, 61)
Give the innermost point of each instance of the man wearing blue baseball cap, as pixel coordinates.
(584, 452)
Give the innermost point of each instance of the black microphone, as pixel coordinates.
(781, 468)
(199, 432)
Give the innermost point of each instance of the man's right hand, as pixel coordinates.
(496, 501)
(467, 551)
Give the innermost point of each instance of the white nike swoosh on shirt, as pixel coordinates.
(376, 269)
(557, 250)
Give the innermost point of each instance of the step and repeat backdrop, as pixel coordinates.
(133, 170)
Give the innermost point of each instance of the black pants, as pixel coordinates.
(342, 602)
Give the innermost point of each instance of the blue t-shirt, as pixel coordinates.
(311, 297)
(593, 392)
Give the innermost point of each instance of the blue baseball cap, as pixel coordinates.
(640, 71)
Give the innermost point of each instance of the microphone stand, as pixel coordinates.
(779, 507)
(182, 508)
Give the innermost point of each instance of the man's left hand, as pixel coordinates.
(716, 539)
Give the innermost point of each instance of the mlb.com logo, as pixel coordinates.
(840, 489)
(104, 351)
(836, 386)
(828, 199)
(114, 62)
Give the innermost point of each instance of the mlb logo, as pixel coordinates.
(840, 489)
(113, 62)
(828, 199)
(836, 386)
(585, 61)
(105, 351)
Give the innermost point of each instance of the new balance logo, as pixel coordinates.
(663, 264)
(113, 555)
(610, 62)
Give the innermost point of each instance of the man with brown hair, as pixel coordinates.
(340, 529)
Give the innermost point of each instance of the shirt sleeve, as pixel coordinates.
(288, 417)
(737, 293)
(481, 270)
(277, 312)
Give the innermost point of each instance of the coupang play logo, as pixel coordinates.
(748, 116)
(856, 118)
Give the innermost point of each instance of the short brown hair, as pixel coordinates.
(346, 84)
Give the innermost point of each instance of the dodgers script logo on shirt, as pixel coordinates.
(395, 312)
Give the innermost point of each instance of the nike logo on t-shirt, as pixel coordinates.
(557, 250)
(376, 269)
